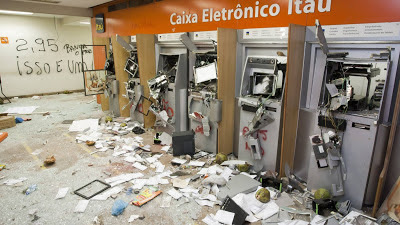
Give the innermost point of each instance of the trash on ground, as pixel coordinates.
(92, 189)
(133, 218)
(14, 181)
(146, 195)
(81, 206)
(62, 192)
(118, 207)
(174, 193)
(49, 160)
(30, 189)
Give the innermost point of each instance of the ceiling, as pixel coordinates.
(80, 8)
(70, 3)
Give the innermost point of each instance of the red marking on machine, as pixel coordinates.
(199, 129)
(262, 133)
(140, 108)
(170, 111)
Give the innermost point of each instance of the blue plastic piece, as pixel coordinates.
(30, 189)
(19, 120)
(118, 207)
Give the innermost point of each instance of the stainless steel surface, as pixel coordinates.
(269, 138)
(362, 149)
(307, 121)
(258, 47)
(377, 163)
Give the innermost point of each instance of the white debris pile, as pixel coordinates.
(196, 179)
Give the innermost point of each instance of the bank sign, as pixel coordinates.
(256, 11)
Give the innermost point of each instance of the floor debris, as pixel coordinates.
(62, 192)
(123, 155)
(50, 160)
(118, 207)
(81, 206)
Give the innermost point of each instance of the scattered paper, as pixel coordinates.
(81, 125)
(21, 110)
(189, 190)
(159, 167)
(316, 219)
(62, 192)
(174, 193)
(130, 159)
(233, 162)
(81, 207)
(146, 148)
(105, 195)
(226, 173)
(113, 181)
(166, 202)
(139, 166)
(203, 171)
(165, 148)
(178, 161)
(270, 209)
(209, 220)
(132, 218)
(215, 189)
(196, 163)
(224, 217)
(139, 183)
(151, 160)
(205, 202)
(180, 183)
(37, 152)
(14, 181)
(293, 222)
(165, 139)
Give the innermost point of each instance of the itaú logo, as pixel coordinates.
(183, 18)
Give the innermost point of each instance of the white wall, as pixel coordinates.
(29, 67)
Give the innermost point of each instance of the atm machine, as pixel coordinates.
(262, 68)
(112, 84)
(133, 87)
(204, 109)
(169, 87)
(346, 106)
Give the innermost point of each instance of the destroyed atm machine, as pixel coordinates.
(112, 84)
(133, 88)
(204, 108)
(346, 105)
(262, 60)
(169, 87)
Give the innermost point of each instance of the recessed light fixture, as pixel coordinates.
(87, 23)
(16, 12)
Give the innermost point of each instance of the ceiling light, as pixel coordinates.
(15, 12)
(87, 23)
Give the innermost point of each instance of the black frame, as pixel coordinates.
(141, 100)
(89, 197)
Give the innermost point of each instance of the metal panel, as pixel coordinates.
(307, 121)
(269, 138)
(176, 95)
(377, 163)
(245, 48)
(357, 149)
(203, 142)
